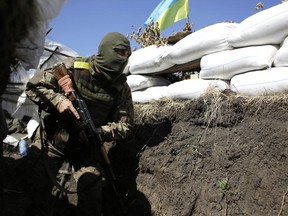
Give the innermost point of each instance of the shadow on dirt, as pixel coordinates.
(124, 158)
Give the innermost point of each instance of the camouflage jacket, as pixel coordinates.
(110, 104)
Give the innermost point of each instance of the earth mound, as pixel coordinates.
(220, 154)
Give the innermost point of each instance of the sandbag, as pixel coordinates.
(281, 57)
(194, 88)
(264, 82)
(146, 60)
(140, 82)
(269, 26)
(228, 63)
(49, 9)
(49, 58)
(202, 42)
(30, 49)
(150, 94)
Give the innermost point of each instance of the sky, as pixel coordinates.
(80, 25)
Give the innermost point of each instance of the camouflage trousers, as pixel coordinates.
(86, 173)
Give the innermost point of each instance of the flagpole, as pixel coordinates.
(188, 14)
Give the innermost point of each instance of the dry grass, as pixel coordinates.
(267, 100)
(217, 104)
(214, 106)
(220, 103)
(156, 110)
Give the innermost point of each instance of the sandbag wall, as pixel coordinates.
(250, 58)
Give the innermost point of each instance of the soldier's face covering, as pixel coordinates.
(113, 53)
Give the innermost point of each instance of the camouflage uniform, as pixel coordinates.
(103, 86)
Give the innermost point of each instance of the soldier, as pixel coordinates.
(102, 84)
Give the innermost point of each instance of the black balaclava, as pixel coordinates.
(110, 63)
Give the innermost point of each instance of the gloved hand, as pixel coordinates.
(66, 105)
(66, 83)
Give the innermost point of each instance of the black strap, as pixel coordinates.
(45, 159)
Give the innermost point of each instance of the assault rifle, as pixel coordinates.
(92, 133)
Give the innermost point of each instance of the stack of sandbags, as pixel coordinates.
(226, 64)
(155, 60)
(269, 26)
(202, 42)
(249, 58)
(152, 60)
(147, 88)
(257, 64)
(185, 89)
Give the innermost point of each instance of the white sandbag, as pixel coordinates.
(49, 58)
(49, 9)
(281, 57)
(265, 82)
(228, 63)
(204, 41)
(146, 60)
(194, 88)
(269, 26)
(30, 49)
(150, 94)
(139, 82)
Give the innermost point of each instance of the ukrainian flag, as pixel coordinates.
(169, 12)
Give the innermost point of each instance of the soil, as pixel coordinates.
(220, 154)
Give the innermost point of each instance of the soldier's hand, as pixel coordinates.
(66, 84)
(67, 105)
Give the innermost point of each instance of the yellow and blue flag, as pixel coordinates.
(168, 12)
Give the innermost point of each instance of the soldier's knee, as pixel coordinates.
(88, 177)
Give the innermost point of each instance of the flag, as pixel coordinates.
(168, 12)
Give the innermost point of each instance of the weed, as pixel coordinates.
(224, 186)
